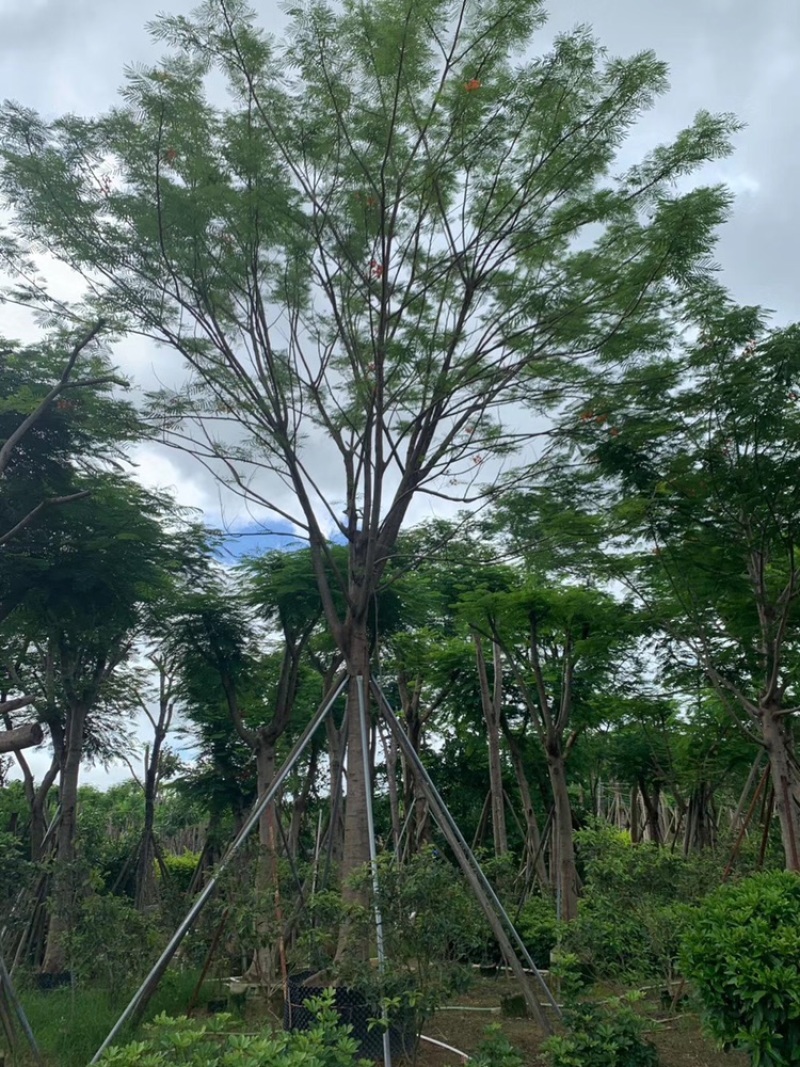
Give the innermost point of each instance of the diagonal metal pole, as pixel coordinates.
(11, 993)
(496, 914)
(149, 985)
(373, 862)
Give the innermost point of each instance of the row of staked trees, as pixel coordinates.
(400, 263)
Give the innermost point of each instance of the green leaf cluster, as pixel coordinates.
(210, 1043)
(742, 954)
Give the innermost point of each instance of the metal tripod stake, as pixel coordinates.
(149, 985)
(373, 862)
(494, 911)
(496, 915)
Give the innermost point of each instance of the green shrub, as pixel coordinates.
(742, 952)
(211, 1043)
(495, 1050)
(112, 944)
(636, 904)
(431, 926)
(537, 925)
(601, 1035)
(180, 870)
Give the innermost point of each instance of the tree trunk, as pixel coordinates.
(356, 840)
(390, 748)
(636, 823)
(491, 702)
(355, 852)
(701, 823)
(36, 797)
(66, 885)
(533, 840)
(264, 964)
(334, 837)
(415, 803)
(652, 829)
(300, 806)
(146, 892)
(566, 872)
(785, 781)
(19, 737)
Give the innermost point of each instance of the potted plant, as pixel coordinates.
(431, 926)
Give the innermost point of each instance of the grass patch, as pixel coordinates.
(71, 1023)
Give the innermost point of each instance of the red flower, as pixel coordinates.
(472, 85)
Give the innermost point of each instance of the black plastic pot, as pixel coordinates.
(353, 1011)
(47, 982)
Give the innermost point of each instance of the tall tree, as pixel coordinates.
(694, 458)
(108, 557)
(562, 646)
(55, 412)
(391, 227)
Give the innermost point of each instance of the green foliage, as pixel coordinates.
(601, 1035)
(495, 1050)
(431, 925)
(742, 953)
(211, 1043)
(636, 903)
(112, 944)
(180, 870)
(329, 193)
(538, 926)
(71, 1023)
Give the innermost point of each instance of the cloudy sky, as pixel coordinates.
(724, 55)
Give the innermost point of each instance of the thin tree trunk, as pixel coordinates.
(146, 892)
(355, 852)
(300, 806)
(566, 871)
(334, 837)
(785, 781)
(491, 703)
(264, 964)
(415, 803)
(390, 750)
(65, 885)
(533, 849)
(635, 819)
(653, 831)
(36, 797)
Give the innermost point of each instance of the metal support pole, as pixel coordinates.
(496, 914)
(149, 985)
(8, 985)
(373, 862)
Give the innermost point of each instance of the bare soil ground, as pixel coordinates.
(678, 1037)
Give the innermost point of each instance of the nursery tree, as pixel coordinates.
(391, 230)
(107, 560)
(695, 460)
(55, 411)
(563, 648)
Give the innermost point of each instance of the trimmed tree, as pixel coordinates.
(391, 230)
